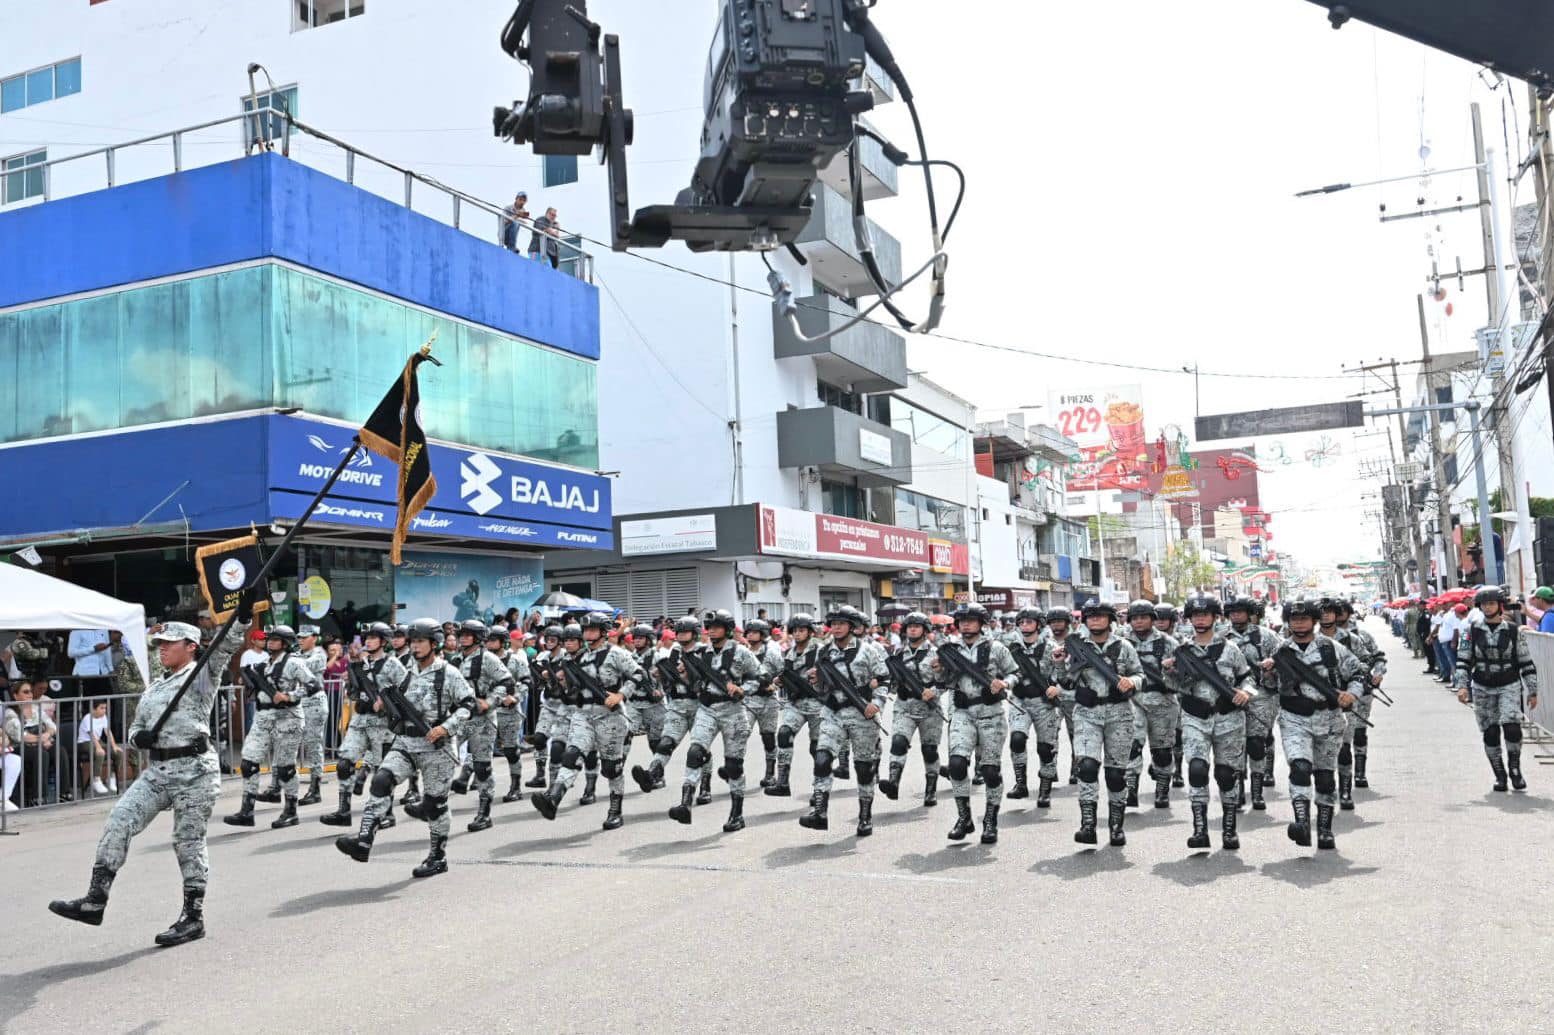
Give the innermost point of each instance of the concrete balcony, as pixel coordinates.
(878, 82)
(840, 442)
(828, 243)
(880, 177)
(866, 357)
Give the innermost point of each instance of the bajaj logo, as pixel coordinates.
(478, 472)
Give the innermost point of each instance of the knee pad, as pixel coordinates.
(572, 758)
(823, 763)
(345, 770)
(768, 741)
(1513, 732)
(900, 745)
(1324, 781)
(1017, 742)
(1256, 749)
(1116, 779)
(537, 740)
(433, 806)
(1300, 772)
(1224, 776)
(993, 775)
(866, 771)
(960, 767)
(733, 767)
(285, 773)
(1089, 770)
(610, 768)
(1160, 756)
(591, 760)
(1345, 756)
(697, 756)
(482, 771)
(930, 754)
(1491, 737)
(1198, 772)
(511, 754)
(248, 768)
(1362, 737)
(382, 783)
(1048, 752)
(665, 746)
(557, 749)
(1136, 750)
(785, 738)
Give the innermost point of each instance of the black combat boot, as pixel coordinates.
(538, 779)
(1043, 792)
(288, 816)
(482, 820)
(387, 820)
(1514, 768)
(963, 824)
(341, 816)
(612, 819)
(460, 784)
(779, 787)
(1495, 763)
(312, 797)
(816, 817)
(90, 907)
(1020, 789)
(1325, 828)
(865, 817)
(271, 795)
(1227, 828)
(736, 814)
(1199, 838)
(990, 824)
(1240, 801)
(360, 783)
(1258, 804)
(1345, 792)
(1073, 772)
(514, 789)
(359, 845)
(647, 777)
(1085, 835)
(436, 860)
(1300, 830)
(1133, 790)
(190, 924)
(843, 765)
(704, 792)
(1359, 771)
(1116, 813)
(547, 801)
(771, 772)
(976, 778)
(412, 791)
(930, 789)
(590, 785)
(658, 781)
(681, 813)
(1176, 762)
(1163, 792)
(1268, 778)
(890, 787)
(244, 816)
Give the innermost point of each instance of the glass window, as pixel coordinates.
(40, 85)
(23, 176)
(13, 93)
(831, 395)
(67, 77)
(269, 126)
(313, 13)
(926, 429)
(842, 499)
(559, 170)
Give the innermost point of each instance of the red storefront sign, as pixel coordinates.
(798, 533)
(849, 537)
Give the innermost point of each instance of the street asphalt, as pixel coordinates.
(1431, 916)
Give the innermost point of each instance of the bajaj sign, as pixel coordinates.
(485, 485)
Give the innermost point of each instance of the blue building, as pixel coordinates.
(186, 356)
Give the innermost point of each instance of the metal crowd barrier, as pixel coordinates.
(1541, 718)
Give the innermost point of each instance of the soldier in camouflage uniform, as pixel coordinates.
(553, 717)
(599, 720)
(722, 713)
(681, 708)
(1352, 756)
(645, 697)
(315, 714)
(1494, 669)
(184, 775)
(367, 734)
(1103, 720)
(1033, 710)
(1157, 715)
(1258, 644)
(277, 729)
(443, 702)
(510, 706)
(848, 719)
(800, 708)
(916, 714)
(490, 682)
(1311, 720)
(1166, 619)
(978, 726)
(399, 647)
(765, 708)
(1213, 724)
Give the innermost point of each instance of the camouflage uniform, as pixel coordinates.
(910, 715)
(276, 735)
(315, 717)
(1103, 729)
(489, 681)
(766, 709)
(1034, 710)
(978, 725)
(1257, 644)
(367, 735)
(1311, 729)
(595, 731)
(1495, 666)
(647, 700)
(555, 714)
(798, 712)
(32, 660)
(680, 710)
(1157, 715)
(1213, 730)
(722, 715)
(509, 717)
(843, 724)
(1356, 750)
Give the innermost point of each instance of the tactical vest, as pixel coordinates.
(440, 712)
(835, 699)
(981, 656)
(1290, 697)
(677, 690)
(1154, 680)
(805, 661)
(275, 673)
(1492, 662)
(1196, 706)
(1083, 694)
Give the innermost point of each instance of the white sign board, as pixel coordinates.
(681, 534)
(874, 447)
(1407, 472)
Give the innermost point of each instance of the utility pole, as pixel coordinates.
(1415, 545)
(1444, 547)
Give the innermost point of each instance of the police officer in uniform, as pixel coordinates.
(183, 775)
(1157, 716)
(315, 713)
(277, 729)
(444, 702)
(1352, 756)
(510, 706)
(766, 710)
(1258, 644)
(801, 708)
(367, 734)
(978, 725)
(490, 682)
(914, 714)
(722, 713)
(681, 705)
(1033, 711)
(599, 721)
(1103, 721)
(1494, 669)
(849, 721)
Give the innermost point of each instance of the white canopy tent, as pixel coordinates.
(32, 600)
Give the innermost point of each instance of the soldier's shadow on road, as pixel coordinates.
(22, 989)
(666, 849)
(1512, 803)
(1311, 871)
(336, 899)
(1202, 867)
(950, 857)
(815, 852)
(291, 844)
(1084, 863)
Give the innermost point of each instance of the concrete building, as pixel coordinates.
(1023, 503)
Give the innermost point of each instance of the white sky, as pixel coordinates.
(1131, 179)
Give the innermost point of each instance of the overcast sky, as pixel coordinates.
(1132, 174)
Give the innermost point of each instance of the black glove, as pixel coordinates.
(143, 739)
(245, 604)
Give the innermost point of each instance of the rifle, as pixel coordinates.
(1031, 673)
(699, 665)
(1088, 657)
(1201, 670)
(258, 682)
(798, 687)
(903, 676)
(669, 672)
(363, 693)
(1290, 664)
(834, 678)
(964, 667)
(576, 673)
(402, 716)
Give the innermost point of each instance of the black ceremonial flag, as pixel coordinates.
(394, 432)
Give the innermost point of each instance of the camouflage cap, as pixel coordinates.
(173, 632)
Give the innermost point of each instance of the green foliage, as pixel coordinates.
(1185, 569)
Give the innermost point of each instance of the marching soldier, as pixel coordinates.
(399, 645)
(1165, 622)
(801, 708)
(552, 707)
(722, 713)
(1494, 669)
(490, 682)
(373, 667)
(1103, 718)
(681, 707)
(442, 702)
(510, 706)
(645, 696)
(1317, 679)
(915, 713)
(1352, 756)
(852, 694)
(184, 775)
(598, 723)
(765, 709)
(1033, 709)
(277, 729)
(1213, 722)
(1258, 644)
(315, 712)
(1157, 716)
(978, 726)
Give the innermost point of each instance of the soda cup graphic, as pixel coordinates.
(1125, 425)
